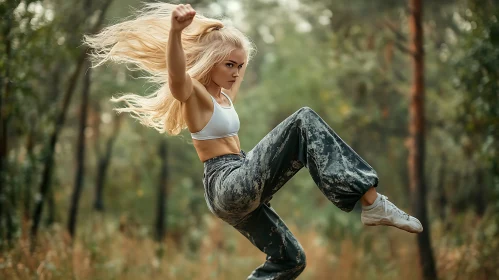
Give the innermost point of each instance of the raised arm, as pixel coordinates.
(179, 81)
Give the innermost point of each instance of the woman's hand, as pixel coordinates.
(182, 16)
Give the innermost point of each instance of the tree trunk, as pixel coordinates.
(4, 98)
(28, 180)
(80, 154)
(442, 196)
(162, 193)
(480, 193)
(417, 138)
(49, 161)
(103, 164)
(51, 208)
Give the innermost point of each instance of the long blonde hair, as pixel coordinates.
(142, 42)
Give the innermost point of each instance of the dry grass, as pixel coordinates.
(103, 251)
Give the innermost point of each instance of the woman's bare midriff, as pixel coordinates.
(197, 112)
(207, 149)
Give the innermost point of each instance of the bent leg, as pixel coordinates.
(303, 139)
(266, 230)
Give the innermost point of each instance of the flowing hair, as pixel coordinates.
(142, 41)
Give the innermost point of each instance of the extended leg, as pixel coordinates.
(266, 230)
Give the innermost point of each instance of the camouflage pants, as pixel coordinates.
(239, 187)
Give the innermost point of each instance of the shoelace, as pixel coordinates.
(386, 203)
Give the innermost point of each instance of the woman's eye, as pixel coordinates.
(229, 65)
(240, 66)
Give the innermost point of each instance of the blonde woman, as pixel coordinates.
(199, 64)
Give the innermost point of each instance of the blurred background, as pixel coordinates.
(88, 194)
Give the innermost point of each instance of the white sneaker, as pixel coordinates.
(383, 212)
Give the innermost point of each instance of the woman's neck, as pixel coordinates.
(214, 89)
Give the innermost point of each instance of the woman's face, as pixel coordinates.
(226, 73)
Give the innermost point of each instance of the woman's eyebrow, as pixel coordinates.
(235, 62)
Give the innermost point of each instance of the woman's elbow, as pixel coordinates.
(180, 92)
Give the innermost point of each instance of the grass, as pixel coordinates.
(110, 250)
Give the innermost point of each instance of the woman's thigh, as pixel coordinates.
(263, 171)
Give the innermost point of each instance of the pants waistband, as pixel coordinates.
(241, 155)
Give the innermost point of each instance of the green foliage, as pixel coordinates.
(345, 59)
(477, 75)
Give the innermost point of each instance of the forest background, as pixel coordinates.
(88, 194)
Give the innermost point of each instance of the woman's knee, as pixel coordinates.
(305, 110)
(305, 113)
(299, 258)
(301, 262)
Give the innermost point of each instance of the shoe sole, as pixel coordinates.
(383, 222)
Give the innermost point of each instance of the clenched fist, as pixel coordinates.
(182, 16)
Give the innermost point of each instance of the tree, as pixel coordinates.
(5, 91)
(477, 73)
(103, 160)
(162, 192)
(417, 141)
(59, 123)
(18, 28)
(80, 154)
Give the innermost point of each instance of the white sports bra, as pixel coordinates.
(223, 123)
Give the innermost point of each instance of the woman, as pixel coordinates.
(200, 64)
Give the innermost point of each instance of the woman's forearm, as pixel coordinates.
(178, 80)
(175, 57)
